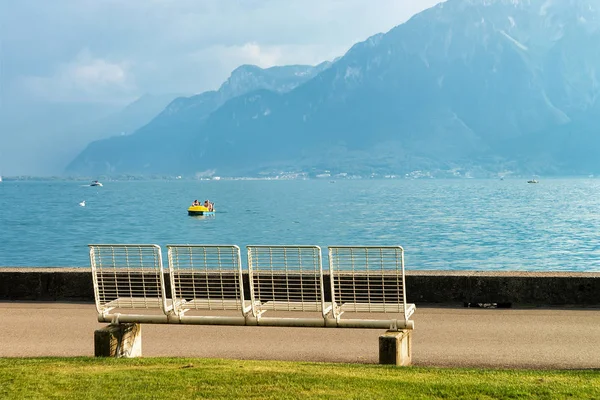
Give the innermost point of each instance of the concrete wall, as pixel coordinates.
(517, 288)
(62, 284)
(423, 287)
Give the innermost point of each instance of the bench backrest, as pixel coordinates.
(368, 279)
(206, 277)
(128, 276)
(286, 278)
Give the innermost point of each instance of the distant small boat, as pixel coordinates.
(533, 181)
(0, 178)
(82, 204)
(95, 183)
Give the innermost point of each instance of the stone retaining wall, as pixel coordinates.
(423, 287)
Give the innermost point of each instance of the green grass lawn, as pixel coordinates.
(177, 378)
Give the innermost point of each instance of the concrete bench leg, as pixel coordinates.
(395, 347)
(122, 340)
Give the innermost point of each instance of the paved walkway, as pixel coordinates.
(515, 338)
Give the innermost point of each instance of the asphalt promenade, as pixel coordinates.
(444, 336)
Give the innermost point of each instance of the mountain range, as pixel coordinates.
(466, 87)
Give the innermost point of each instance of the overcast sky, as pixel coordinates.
(65, 64)
(115, 50)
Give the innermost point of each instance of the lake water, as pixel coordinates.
(442, 224)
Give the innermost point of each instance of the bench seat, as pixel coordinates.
(206, 277)
(294, 306)
(379, 308)
(211, 304)
(138, 303)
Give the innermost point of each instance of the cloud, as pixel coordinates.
(98, 72)
(139, 46)
(228, 57)
(81, 79)
(234, 55)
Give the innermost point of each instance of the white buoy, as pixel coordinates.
(82, 204)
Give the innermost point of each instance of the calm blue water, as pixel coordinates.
(442, 224)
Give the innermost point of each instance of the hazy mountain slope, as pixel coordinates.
(481, 84)
(175, 126)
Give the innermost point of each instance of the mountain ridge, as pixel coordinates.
(464, 84)
(185, 114)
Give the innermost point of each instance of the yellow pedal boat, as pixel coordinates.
(200, 210)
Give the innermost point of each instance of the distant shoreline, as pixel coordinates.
(284, 178)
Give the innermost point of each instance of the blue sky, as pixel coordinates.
(56, 53)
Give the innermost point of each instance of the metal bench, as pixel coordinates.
(129, 278)
(287, 279)
(286, 287)
(207, 278)
(369, 279)
(130, 284)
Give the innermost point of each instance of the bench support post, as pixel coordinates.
(120, 340)
(395, 347)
